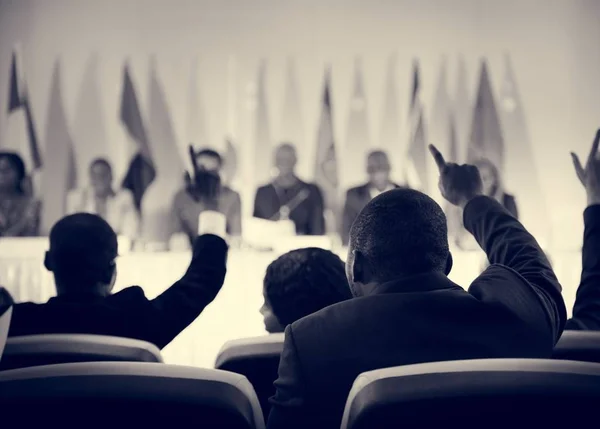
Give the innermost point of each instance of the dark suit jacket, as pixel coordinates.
(129, 313)
(356, 200)
(514, 309)
(308, 216)
(586, 311)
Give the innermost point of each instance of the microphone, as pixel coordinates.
(286, 209)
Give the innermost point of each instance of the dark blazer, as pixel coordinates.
(512, 310)
(129, 313)
(356, 199)
(308, 216)
(586, 311)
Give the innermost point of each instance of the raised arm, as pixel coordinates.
(520, 276)
(586, 311)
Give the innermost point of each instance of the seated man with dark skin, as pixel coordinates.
(407, 311)
(83, 249)
(302, 282)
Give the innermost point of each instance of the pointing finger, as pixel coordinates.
(438, 157)
(578, 167)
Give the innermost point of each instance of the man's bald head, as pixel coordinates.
(285, 159)
(378, 169)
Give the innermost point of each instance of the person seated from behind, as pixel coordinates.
(82, 254)
(586, 311)
(205, 191)
(407, 311)
(19, 211)
(302, 282)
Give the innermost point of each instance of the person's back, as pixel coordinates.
(83, 248)
(302, 282)
(405, 308)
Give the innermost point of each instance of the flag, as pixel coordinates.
(20, 135)
(59, 174)
(140, 172)
(390, 128)
(262, 134)
(292, 126)
(417, 150)
(521, 166)
(326, 166)
(230, 160)
(357, 143)
(89, 128)
(196, 129)
(463, 110)
(486, 140)
(168, 164)
(441, 129)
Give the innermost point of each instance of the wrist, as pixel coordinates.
(212, 222)
(466, 200)
(593, 200)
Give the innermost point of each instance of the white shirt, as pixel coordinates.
(375, 192)
(121, 214)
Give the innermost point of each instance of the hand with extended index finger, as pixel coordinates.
(459, 184)
(589, 176)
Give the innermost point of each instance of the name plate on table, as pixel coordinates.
(36, 247)
(266, 234)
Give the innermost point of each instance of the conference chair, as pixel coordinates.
(35, 350)
(128, 394)
(578, 345)
(257, 359)
(490, 393)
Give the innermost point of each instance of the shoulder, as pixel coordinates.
(264, 188)
(129, 295)
(357, 190)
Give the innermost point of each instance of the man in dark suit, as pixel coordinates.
(586, 311)
(407, 311)
(289, 198)
(378, 169)
(82, 253)
(190, 202)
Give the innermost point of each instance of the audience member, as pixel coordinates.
(378, 169)
(201, 191)
(407, 311)
(493, 187)
(115, 207)
(82, 254)
(302, 282)
(19, 211)
(586, 311)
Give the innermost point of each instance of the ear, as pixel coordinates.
(48, 261)
(449, 263)
(357, 269)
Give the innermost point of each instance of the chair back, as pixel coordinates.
(129, 394)
(35, 350)
(491, 393)
(578, 345)
(258, 360)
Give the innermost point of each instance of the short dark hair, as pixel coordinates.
(83, 248)
(211, 153)
(304, 281)
(101, 161)
(401, 232)
(19, 165)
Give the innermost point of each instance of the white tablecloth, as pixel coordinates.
(235, 312)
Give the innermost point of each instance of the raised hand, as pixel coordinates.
(459, 184)
(590, 175)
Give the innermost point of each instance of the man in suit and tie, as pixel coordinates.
(289, 198)
(378, 169)
(407, 311)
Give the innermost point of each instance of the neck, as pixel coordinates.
(380, 188)
(286, 180)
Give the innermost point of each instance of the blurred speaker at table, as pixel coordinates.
(378, 170)
(116, 207)
(19, 210)
(204, 191)
(287, 198)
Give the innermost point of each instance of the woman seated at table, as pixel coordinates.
(19, 211)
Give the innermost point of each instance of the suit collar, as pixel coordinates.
(419, 283)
